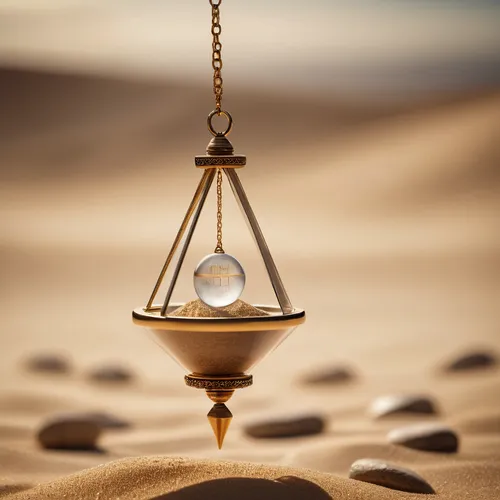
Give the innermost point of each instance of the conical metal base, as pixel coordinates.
(220, 417)
(195, 343)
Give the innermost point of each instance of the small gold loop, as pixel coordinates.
(219, 112)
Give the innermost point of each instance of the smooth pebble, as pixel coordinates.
(390, 405)
(286, 427)
(326, 376)
(472, 361)
(111, 373)
(392, 476)
(426, 437)
(48, 363)
(69, 432)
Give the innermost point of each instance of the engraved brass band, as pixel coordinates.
(225, 161)
(222, 383)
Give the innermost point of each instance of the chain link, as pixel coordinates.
(218, 248)
(216, 53)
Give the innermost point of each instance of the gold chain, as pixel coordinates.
(217, 67)
(216, 52)
(218, 248)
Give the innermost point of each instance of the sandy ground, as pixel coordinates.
(384, 225)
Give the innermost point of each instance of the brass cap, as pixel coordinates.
(220, 145)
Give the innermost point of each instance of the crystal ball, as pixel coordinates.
(219, 279)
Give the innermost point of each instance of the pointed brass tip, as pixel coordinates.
(220, 418)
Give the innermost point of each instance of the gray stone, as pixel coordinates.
(472, 361)
(329, 376)
(301, 425)
(48, 363)
(385, 406)
(392, 476)
(69, 432)
(426, 437)
(111, 373)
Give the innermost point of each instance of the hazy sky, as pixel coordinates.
(289, 3)
(343, 43)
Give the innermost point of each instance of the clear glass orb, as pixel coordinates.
(219, 279)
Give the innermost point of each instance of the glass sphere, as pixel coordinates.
(219, 279)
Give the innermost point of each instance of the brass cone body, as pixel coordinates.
(219, 372)
(219, 418)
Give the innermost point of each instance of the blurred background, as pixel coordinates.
(372, 135)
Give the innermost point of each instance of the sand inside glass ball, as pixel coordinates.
(198, 309)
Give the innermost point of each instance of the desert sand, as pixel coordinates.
(383, 222)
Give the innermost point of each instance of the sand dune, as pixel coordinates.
(80, 122)
(154, 476)
(383, 222)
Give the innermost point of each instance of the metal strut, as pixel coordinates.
(180, 234)
(272, 271)
(187, 241)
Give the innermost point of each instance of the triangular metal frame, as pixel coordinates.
(193, 214)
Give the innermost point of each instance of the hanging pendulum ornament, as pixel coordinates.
(218, 337)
